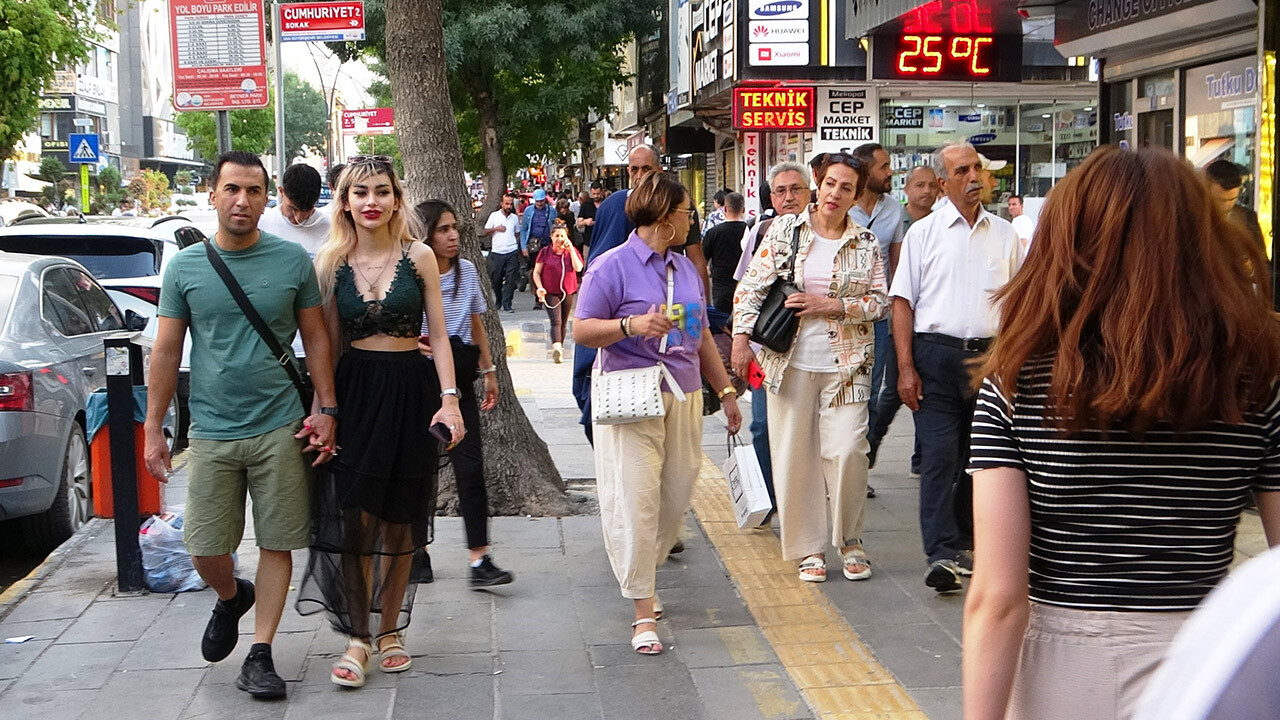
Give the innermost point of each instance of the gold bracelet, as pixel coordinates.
(726, 391)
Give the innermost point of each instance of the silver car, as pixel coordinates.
(53, 319)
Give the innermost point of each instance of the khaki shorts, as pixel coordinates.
(271, 469)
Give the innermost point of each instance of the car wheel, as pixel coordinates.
(72, 505)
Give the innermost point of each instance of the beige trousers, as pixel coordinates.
(1088, 664)
(819, 463)
(644, 477)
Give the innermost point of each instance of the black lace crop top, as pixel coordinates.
(398, 313)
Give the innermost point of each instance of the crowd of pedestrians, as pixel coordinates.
(1095, 392)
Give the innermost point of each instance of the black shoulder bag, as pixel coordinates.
(776, 325)
(282, 356)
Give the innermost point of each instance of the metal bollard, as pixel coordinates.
(124, 370)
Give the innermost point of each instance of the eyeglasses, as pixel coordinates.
(383, 160)
(792, 191)
(693, 212)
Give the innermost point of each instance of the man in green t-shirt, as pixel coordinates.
(248, 428)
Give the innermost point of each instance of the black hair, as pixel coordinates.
(720, 195)
(428, 214)
(301, 183)
(242, 158)
(735, 203)
(1225, 174)
(331, 178)
(1015, 197)
(597, 185)
(867, 153)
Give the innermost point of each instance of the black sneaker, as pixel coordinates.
(677, 548)
(258, 675)
(871, 455)
(871, 492)
(943, 576)
(964, 563)
(223, 630)
(488, 574)
(421, 571)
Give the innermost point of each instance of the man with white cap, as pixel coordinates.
(989, 183)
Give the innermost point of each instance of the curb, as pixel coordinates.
(18, 591)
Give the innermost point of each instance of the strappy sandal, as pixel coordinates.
(349, 663)
(647, 639)
(657, 607)
(393, 649)
(856, 557)
(812, 563)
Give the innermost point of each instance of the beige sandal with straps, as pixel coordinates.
(349, 663)
(393, 649)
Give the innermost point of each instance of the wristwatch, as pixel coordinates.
(449, 391)
(330, 411)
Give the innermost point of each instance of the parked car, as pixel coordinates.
(126, 255)
(54, 318)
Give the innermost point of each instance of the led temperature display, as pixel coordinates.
(963, 40)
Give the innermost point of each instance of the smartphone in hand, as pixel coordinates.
(755, 375)
(441, 432)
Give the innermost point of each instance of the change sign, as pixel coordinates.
(847, 117)
(341, 21)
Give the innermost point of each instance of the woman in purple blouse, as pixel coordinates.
(645, 470)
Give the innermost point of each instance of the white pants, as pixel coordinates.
(644, 476)
(819, 463)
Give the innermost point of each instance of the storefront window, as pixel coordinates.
(1076, 128)
(1036, 152)
(1222, 116)
(1154, 122)
(1121, 123)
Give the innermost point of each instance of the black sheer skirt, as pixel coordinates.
(375, 502)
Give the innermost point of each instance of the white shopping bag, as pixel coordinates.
(747, 492)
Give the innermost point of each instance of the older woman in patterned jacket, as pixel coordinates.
(818, 390)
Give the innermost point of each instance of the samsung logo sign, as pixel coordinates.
(778, 9)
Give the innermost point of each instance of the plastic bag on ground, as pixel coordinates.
(166, 564)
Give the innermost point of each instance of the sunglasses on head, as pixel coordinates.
(382, 160)
(832, 158)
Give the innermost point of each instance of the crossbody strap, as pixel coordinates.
(795, 252)
(282, 356)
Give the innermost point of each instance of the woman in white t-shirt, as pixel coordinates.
(819, 388)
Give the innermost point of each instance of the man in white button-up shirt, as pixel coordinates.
(943, 315)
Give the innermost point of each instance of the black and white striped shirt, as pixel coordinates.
(1122, 524)
(459, 306)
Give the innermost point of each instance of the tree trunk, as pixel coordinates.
(495, 173)
(519, 472)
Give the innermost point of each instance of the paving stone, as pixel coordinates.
(701, 607)
(918, 655)
(604, 616)
(16, 658)
(603, 656)
(52, 605)
(346, 704)
(450, 629)
(173, 639)
(41, 629)
(875, 601)
(157, 694)
(533, 622)
(542, 707)
(216, 702)
(762, 691)
(73, 667)
(646, 692)
(465, 697)
(448, 665)
(288, 652)
(46, 704)
(114, 621)
(545, 672)
(528, 532)
(939, 703)
(724, 647)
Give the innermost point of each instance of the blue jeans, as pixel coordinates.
(943, 425)
(583, 358)
(885, 407)
(881, 361)
(760, 437)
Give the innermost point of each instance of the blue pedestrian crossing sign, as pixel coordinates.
(83, 148)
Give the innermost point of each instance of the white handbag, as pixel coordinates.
(627, 396)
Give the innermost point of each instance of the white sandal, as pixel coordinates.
(393, 649)
(647, 639)
(855, 555)
(348, 662)
(813, 562)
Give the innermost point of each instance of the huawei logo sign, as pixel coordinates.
(760, 31)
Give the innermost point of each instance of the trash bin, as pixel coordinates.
(150, 489)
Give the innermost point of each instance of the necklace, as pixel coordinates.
(372, 284)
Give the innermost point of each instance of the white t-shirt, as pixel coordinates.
(504, 241)
(312, 234)
(812, 351)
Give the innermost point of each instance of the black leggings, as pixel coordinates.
(560, 314)
(468, 473)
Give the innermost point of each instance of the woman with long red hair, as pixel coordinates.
(1131, 403)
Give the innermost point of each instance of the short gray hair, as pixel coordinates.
(788, 166)
(940, 167)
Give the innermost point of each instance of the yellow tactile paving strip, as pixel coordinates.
(823, 655)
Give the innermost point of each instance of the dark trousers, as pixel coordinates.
(504, 271)
(583, 358)
(884, 406)
(559, 310)
(943, 425)
(760, 438)
(468, 472)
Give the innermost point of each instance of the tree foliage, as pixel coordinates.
(37, 38)
(254, 130)
(151, 189)
(545, 65)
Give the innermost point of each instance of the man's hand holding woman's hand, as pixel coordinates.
(321, 432)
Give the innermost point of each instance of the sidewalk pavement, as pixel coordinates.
(744, 638)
